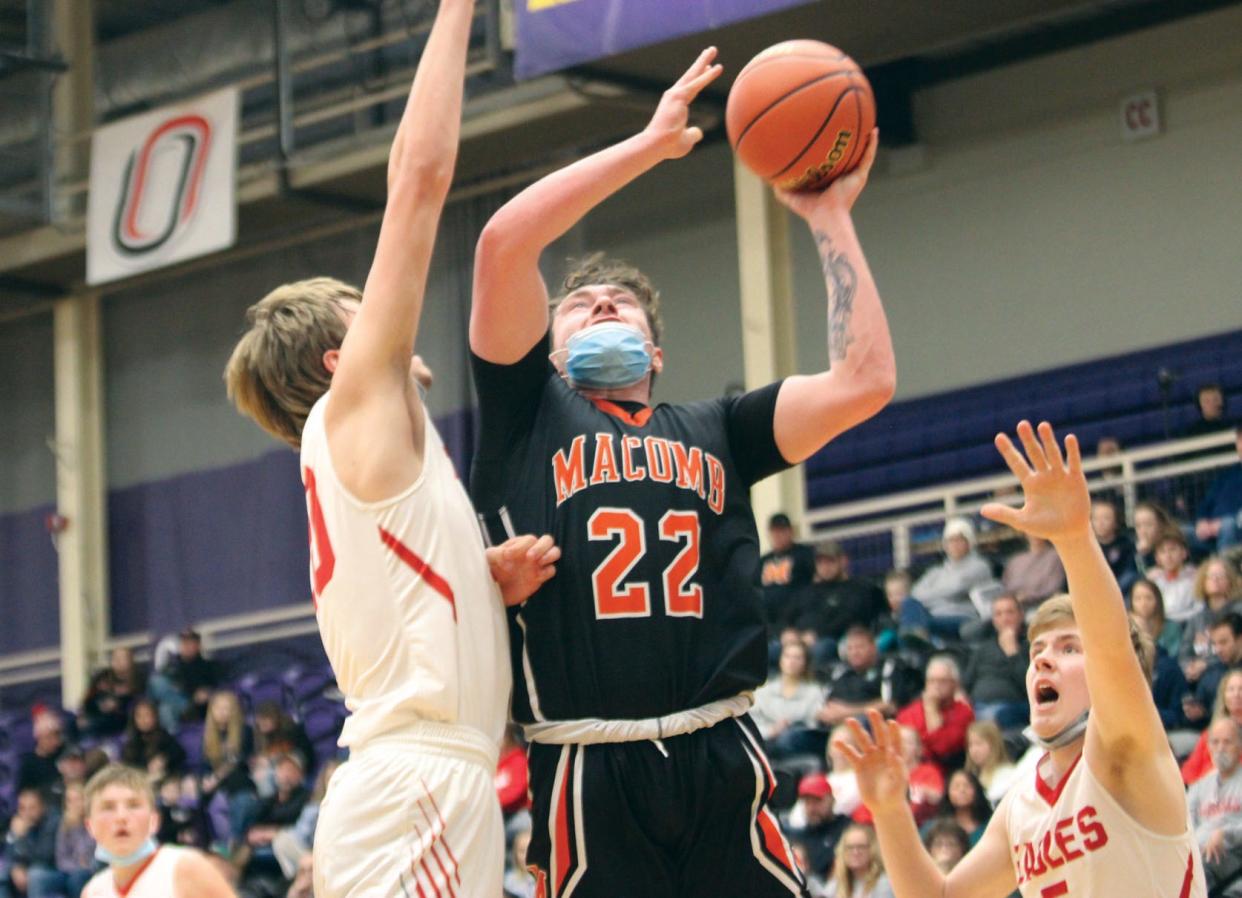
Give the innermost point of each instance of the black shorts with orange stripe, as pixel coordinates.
(680, 818)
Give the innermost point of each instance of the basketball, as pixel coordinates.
(799, 114)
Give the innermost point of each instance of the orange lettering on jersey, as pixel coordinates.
(605, 468)
(1065, 840)
(716, 496)
(567, 470)
(689, 464)
(631, 470)
(659, 459)
(1094, 835)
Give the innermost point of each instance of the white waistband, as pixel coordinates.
(433, 737)
(592, 730)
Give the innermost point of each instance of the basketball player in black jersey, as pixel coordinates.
(633, 666)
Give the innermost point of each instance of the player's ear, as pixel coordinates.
(657, 360)
(154, 827)
(331, 358)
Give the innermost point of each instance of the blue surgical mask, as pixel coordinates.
(144, 851)
(607, 355)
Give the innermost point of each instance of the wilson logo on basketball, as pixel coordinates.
(161, 185)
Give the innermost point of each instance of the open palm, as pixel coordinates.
(876, 760)
(671, 121)
(1057, 504)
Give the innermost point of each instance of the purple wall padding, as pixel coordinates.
(29, 597)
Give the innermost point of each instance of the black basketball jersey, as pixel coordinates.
(654, 607)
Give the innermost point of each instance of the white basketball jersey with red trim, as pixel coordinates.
(410, 617)
(1076, 841)
(156, 879)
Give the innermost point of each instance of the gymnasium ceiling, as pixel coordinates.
(904, 45)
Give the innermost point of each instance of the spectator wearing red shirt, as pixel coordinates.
(941, 716)
(511, 774)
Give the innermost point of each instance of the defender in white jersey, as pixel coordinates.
(1105, 812)
(410, 615)
(121, 817)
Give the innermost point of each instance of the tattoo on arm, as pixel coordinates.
(842, 283)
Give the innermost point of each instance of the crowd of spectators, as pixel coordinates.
(944, 653)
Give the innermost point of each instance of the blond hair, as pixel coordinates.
(1059, 610)
(276, 372)
(217, 751)
(843, 875)
(1231, 577)
(1218, 707)
(118, 775)
(990, 733)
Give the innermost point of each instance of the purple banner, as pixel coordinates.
(554, 34)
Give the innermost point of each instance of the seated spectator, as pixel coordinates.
(907, 621)
(1174, 576)
(946, 842)
(988, 759)
(786, 706)
(293, 843)
(1219, 517)
(1217, 591)
(1147, 609)
(857, 870)
(835, 601)
(105, 710)
(71, 766)
(37, 768)
(518, 881)
(821, 826)
(150, 747)
(940, 716)
(1151, 519)
(1034, 575)
(783, 571)
(863, 681)
(1117, 547)
(512, 774)
(228, 792)
(995, 677)
(966, 804)
(30, 849)
(277, 811)
(1226, 636)
(75, 848)
(276, 733)
(184, 687)
(1215, 804)
(925, 781)
(844, 784)
(944, 590)
(1228, 704)
(182, 820)
(1210, 404)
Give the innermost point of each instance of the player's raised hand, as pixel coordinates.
(521, 565)
(671, 123)
(877, 763)
(841, 193)
(1056, 504)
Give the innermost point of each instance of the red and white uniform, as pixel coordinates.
(156, 878)
(1074, 840)
(415, 629)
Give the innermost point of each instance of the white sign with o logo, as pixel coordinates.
(163, 187)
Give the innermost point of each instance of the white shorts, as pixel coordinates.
(413, 813)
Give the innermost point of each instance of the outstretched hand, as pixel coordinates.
(521, 565)
(671, 122)
(876, 761)
(841, 192)
(1057, 505)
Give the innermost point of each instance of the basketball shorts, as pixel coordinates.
(412, 813)
(683, 817)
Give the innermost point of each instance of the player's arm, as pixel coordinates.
(985, 872)
(375, 450)
(862, 373)
(1126, 746)
(197, 877)
(510, 310)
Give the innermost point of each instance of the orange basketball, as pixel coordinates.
(799, 114)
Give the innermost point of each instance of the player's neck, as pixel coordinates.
(1060, 760)
(636, 392)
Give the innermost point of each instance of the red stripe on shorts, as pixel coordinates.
(421, 568)
(1189, 878)
(561, 847)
